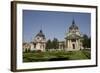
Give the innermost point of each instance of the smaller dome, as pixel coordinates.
(40, 34)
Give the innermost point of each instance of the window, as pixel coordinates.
(73, 40)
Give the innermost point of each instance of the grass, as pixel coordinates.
(56, 56)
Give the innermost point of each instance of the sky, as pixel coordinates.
(53, 24)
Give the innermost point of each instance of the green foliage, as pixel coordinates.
(52, 44)
(56, 56)
(55, 43)
(27, 50)
(86, 41)
(87, 53)
(49, 44)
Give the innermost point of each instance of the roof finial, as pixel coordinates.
(73, 22)
(40, 31)
(41, 28)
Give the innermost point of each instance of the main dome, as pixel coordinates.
(73, 26)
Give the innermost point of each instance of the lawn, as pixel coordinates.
(56, 56)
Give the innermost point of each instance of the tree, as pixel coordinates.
(89, 42)
(55, 43)
(49, 44)
(52, 44)
(86, 41)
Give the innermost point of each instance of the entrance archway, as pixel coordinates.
(73, 46)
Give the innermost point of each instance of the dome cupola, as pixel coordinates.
(73, 26)
(40, 34)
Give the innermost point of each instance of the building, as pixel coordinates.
(61, 45)
(26, 47)
(39, 42)
(72, 42)
(73, 38)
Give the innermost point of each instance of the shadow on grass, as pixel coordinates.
(58, 59)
